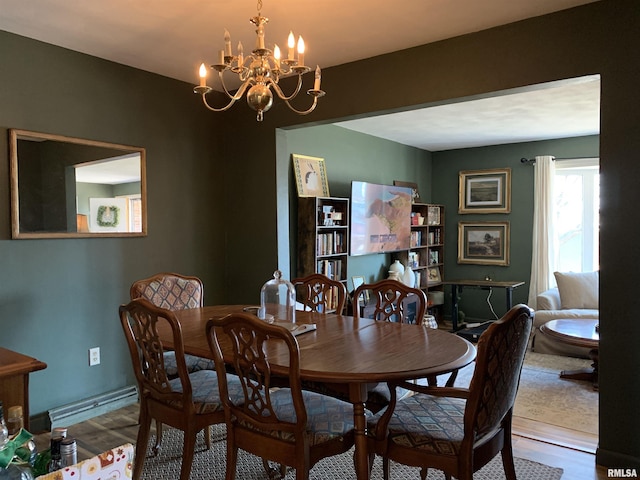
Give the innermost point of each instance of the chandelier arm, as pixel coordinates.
(240, 91)
(213, 109)
(232, 98)
(281, 94)
(303, 112)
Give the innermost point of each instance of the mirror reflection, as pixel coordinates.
(70, 187)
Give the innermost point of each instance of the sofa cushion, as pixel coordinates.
(578, 290)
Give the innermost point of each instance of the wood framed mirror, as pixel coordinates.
(64, 187)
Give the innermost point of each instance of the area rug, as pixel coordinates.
(211, 464)
(544, 397)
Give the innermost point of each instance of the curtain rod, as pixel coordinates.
(531, 161)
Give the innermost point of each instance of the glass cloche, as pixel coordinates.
(278, 300)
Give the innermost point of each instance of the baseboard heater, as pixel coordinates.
(82, 410)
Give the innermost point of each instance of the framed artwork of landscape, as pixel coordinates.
(483, 243)
(485, 191)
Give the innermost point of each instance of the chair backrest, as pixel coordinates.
(391, 301)
(493, 388)
(319, 293)
(170, 290)
(142, 322)
(246, 336)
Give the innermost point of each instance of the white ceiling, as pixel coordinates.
(172, 38)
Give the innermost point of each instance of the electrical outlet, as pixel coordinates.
(94, 356)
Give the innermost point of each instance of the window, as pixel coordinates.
(577, 206)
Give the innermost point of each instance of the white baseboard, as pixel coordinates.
(82, 410)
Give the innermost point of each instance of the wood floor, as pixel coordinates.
(571, 450)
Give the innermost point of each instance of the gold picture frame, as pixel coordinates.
(311, 176)
(433, 275)
(483, 243)
(485, 191)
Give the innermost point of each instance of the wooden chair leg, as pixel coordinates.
(232, 460)
(187, 454)
(385, 468)
(207, 436)
(142, 442)
(507, 458)
(156, 447)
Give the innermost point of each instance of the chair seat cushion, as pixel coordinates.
(205, 393)
(194, 363)
(327, 418)
(423, 422)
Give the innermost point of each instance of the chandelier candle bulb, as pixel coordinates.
(227, 43)
(276, 56)
(316, 84)
(203, 75)
(300, 51)
(221, 57)
(240, 55)
(291, 43)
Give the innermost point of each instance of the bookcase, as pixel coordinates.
(323, 237)
(426, 252)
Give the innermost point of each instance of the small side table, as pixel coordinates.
(581, 333)
(14, 380)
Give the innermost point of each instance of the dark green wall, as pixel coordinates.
(348, 156)
(351, 155)
(446, 168)
(58, 297)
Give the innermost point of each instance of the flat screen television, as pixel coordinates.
(380, 218)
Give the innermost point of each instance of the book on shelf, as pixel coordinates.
(416, 238)
(331, 268)
(330, 243)
(414, 259)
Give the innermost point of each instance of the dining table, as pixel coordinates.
(343, 349)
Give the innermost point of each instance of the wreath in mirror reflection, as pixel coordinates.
(108, 216)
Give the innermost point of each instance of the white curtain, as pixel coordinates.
(543, 258)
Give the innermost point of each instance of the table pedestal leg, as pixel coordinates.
(358, 395)
(588, 374)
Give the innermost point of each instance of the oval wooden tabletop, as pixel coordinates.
(578, 332)
(343, 349)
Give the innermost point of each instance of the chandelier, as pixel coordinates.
(260, 72)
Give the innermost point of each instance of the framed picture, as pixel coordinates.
(483, 243)
(311, 176)
(485, 191)
(433, 275)
(357, 281)
(415, 194)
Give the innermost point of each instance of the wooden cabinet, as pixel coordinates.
(14, 380)
(323, 236)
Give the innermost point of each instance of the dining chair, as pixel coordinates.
(459, 430)
(319, 293)
(289, 426)
(174, 292)
(189, 402)
(393, 301)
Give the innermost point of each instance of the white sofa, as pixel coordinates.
(576, 296)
